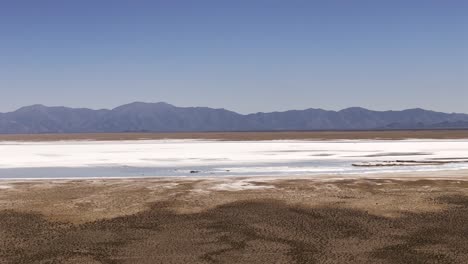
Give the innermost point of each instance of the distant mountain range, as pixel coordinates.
(163, 117)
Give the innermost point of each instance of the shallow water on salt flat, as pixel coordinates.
(82, 159)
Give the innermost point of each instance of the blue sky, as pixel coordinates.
(246, 56)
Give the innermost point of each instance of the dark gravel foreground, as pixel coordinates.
(348, 224)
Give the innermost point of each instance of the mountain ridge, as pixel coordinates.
(164, 117)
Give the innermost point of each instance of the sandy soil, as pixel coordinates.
(297, 135)
(411, 218)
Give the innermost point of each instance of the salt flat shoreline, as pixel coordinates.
(456, 174)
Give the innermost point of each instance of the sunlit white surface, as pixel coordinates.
(179, 157)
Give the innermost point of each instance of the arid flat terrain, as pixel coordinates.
(293, 135)
(414, 218)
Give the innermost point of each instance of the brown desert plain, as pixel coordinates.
(419, 217)
(246, 136)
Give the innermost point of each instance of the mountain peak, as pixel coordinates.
(417, 110)
(34, 107)
(355, 109)
(143, 105)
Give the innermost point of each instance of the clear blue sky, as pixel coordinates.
(246, 56)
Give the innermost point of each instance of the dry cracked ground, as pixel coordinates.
(234, 221)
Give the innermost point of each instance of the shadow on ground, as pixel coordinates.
(266, 231)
